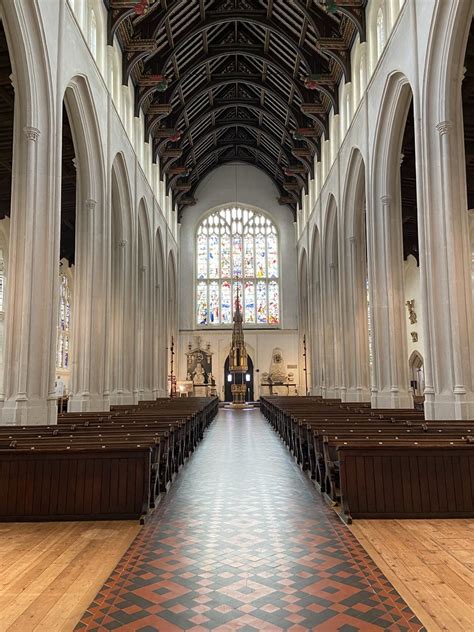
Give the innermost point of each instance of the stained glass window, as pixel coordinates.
(64, 321)
(237, 250)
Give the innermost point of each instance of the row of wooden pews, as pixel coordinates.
(379, 463)
(96, 465)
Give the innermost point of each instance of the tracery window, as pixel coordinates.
(237, 250)
(64, 321)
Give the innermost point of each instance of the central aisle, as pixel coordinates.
(244, 541)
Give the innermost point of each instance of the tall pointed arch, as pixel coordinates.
(332, 351)
(355, 314)
(121, 286)
(144, 307)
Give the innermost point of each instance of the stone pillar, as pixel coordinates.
(88, 324)
(355, 325)
(157, 323)
(446, 282)
(30, 322)
(316, 356)
(391, 388)
(122, 369)
(331, 367)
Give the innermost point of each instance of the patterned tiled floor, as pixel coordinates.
(244, 542)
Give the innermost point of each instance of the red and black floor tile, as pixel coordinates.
(244, 542)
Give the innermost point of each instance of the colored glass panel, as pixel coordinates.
(214, 303)
(236, 256)
(237, 287)
(226, 303)
(261, 302)
(260, 256)
(249, 298)
(272, 256)
(273, 303)
(214, 256)
(225, 257)
(201, 303)
(249, 259)
(202, 256)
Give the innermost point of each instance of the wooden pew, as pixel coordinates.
(318, 433)
(108, 459)
(81, 484)
(423, 481)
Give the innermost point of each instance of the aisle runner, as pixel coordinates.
(244, 542)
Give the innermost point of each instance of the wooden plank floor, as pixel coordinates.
(50, 572)
(431, 565)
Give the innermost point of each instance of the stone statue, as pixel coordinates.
(277, 374)
(199, 375)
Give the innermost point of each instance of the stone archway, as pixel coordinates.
(417, 374)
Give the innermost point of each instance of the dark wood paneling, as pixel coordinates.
(415, 482)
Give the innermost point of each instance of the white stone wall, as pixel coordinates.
(53, 58)
(358, 175)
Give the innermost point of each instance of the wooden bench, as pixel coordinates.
(107, 465)
(319, 434)
(82, 484)
(423, 481)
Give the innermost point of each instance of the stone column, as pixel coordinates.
(30, 325)
(356, 351)
(316, 320)
(88, 324)
(155, 342)
(331, 332)
(446, 281)
(391, 388)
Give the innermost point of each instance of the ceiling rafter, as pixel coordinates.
(248, 80)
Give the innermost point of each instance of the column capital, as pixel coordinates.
(31, 133)
(90, 205)
(444, 127)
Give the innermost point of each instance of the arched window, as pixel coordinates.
(237, 250)
(64, 319)
(380, 32)
(93, 33)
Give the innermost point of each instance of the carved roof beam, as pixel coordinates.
(239, 16)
